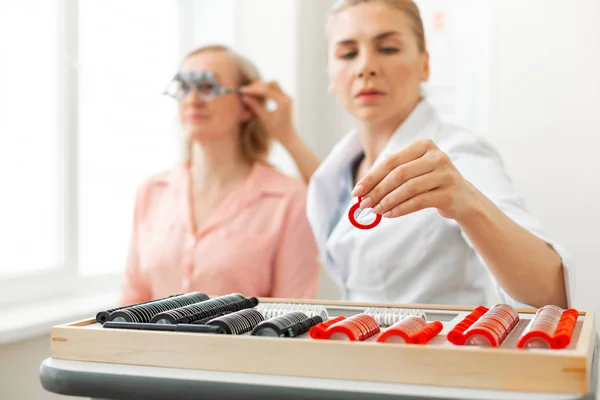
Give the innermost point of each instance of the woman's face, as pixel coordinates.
(375, 65)
(219, 118)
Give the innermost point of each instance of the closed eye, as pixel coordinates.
(389, 50)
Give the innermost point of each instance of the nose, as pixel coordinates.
(366, 66)
(192, 96)
(365, 73)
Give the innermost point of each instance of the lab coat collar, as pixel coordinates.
(325, 186)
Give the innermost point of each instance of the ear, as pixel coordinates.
(426, 70)
(246, 114)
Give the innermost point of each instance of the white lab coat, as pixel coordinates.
(421, 257)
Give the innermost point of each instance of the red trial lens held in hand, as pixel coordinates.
(352, 217)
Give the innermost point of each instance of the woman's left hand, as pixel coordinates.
(418, 177)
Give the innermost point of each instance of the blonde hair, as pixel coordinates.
(254, 140)
(406, 6)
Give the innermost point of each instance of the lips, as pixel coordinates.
(369, 93)
(195, 116)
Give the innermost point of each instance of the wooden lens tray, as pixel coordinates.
(438, 362)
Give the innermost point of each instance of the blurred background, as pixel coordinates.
(83, 122)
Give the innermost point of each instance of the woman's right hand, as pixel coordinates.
(278, 123)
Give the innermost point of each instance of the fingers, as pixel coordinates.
(414, 151)
(408, 190)
(432, 199)
(267, 90)
(397, 178)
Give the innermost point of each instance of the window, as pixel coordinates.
(30, 206)
(83, 123)
(128, 51)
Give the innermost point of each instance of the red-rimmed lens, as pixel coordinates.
(318, 331)
(456, 334)
(352, 217)
(356, 328)
(493, 327)
(403, 330)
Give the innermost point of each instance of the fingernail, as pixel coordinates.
(387, 214)
(357, 191)
(366, 203)
(377, 209)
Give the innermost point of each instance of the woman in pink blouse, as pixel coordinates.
(224, 221)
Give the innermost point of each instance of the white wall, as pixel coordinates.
(545, 119)
(322, 121)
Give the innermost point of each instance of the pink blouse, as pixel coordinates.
(257, 243)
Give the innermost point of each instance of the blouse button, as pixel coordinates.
(191, 242)
(186, 284)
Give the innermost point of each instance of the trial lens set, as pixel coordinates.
(234, 314)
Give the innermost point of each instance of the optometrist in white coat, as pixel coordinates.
(451, 216)
(430, 249)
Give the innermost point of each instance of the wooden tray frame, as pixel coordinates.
(453, 366)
